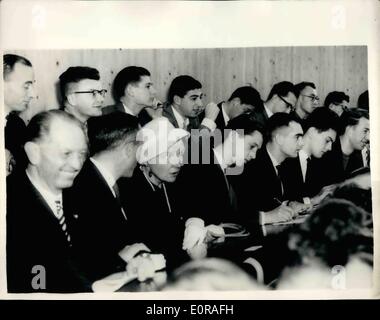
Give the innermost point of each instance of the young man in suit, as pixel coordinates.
(82, 92)
(18, 79)
(263, 175)
(282, 98)
(345, 156)
(307, 100)
(300, 175)
(103, 234)
(242, 100)
(337, 101)
(39, 223)
(134, 93)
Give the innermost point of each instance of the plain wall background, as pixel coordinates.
(220, 70)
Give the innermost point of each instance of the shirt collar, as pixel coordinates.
(269, 113)
(48, 196)
(303, 155)
(110, 179)
(273, 159)
(182, 122)
(128, 110)
(219, 158)
(225, 115)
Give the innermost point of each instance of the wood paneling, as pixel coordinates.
(220, 70)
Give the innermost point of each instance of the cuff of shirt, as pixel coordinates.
(306, 200)
(209, 124)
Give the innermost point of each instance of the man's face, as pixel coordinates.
(167, 165)
(308, 101)
(143, 92)
(240, 108)
(191, 104)
(87, 104)
(61, 155)
(290, 139)
(339, 107)
(18, 88)
(359, 134)
(252, 143)
(285, 104)
(321, 142)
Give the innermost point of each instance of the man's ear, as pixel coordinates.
(33, 152)
(177, 100)
(71, 99)
(129, 90)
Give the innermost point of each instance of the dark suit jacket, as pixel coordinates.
(294, 186)
(35, 238)
(14, 134)
(143, 116)
(261, 179)
(167, 112)
(331, 165)
(101, 230)
(260, 116)
(160, 229)
(219, 121)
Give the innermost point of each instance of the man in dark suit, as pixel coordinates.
(263, 175)
(337, 101)
(38, 221)
(242, 100)
(301, 175)
(345, 156)
(134, 94)
(103, 228)
(281, 98)
(18, 79)
(307, 100)
(82, 92)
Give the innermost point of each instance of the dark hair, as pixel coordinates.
(333, 233)
(247, 95)
(282, 89)
(109, 131)
(181, 85)
(39, 126)
(76, 74)
(9, 61)
(363, 101)
(322, 119)
(351, 117)
(302, 85)
(352, 192)
(278, 120)
(336, 97)
(126, 76)
(246, 123)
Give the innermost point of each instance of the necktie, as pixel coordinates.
(278, 167)
(231, 193)
(115, 188)
(61, 219)
(308, 170)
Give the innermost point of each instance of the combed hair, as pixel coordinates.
(126, 76)
(246, 123)
(277, 121)
(247, 95)
(109, 131)
(363, 101)
(336, 97)
(302, 85)
(322, 119)
(181, 85)
(9, 61)
(39, 126)
(351, 117)
(281, 89)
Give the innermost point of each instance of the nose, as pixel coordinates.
(76, 161)
(153, 90)
(199, 102)
(31, 94)
(329, 146)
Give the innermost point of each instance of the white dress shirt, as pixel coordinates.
(226, 118)
(183, 122)
(269, 113)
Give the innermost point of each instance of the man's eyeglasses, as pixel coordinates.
(289, 105)
(94, 92)
(312, 97)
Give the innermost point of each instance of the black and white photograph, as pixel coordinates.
(246, 167)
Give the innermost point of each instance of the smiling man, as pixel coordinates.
(38, 221)
(82, 92)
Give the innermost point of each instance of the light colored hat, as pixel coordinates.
(157, 136)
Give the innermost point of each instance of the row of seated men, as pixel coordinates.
(79, 206)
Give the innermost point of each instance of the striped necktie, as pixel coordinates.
(61, 219)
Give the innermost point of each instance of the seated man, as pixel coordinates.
(134, 94)
(185, 105)
(264, 174)
(300, 176)
(82, 92)
(18, 79)
(307, 100)
(346, 156)
(243, 100)
(103, 232)
(337, 101)
(39, 224)
(282, 98)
